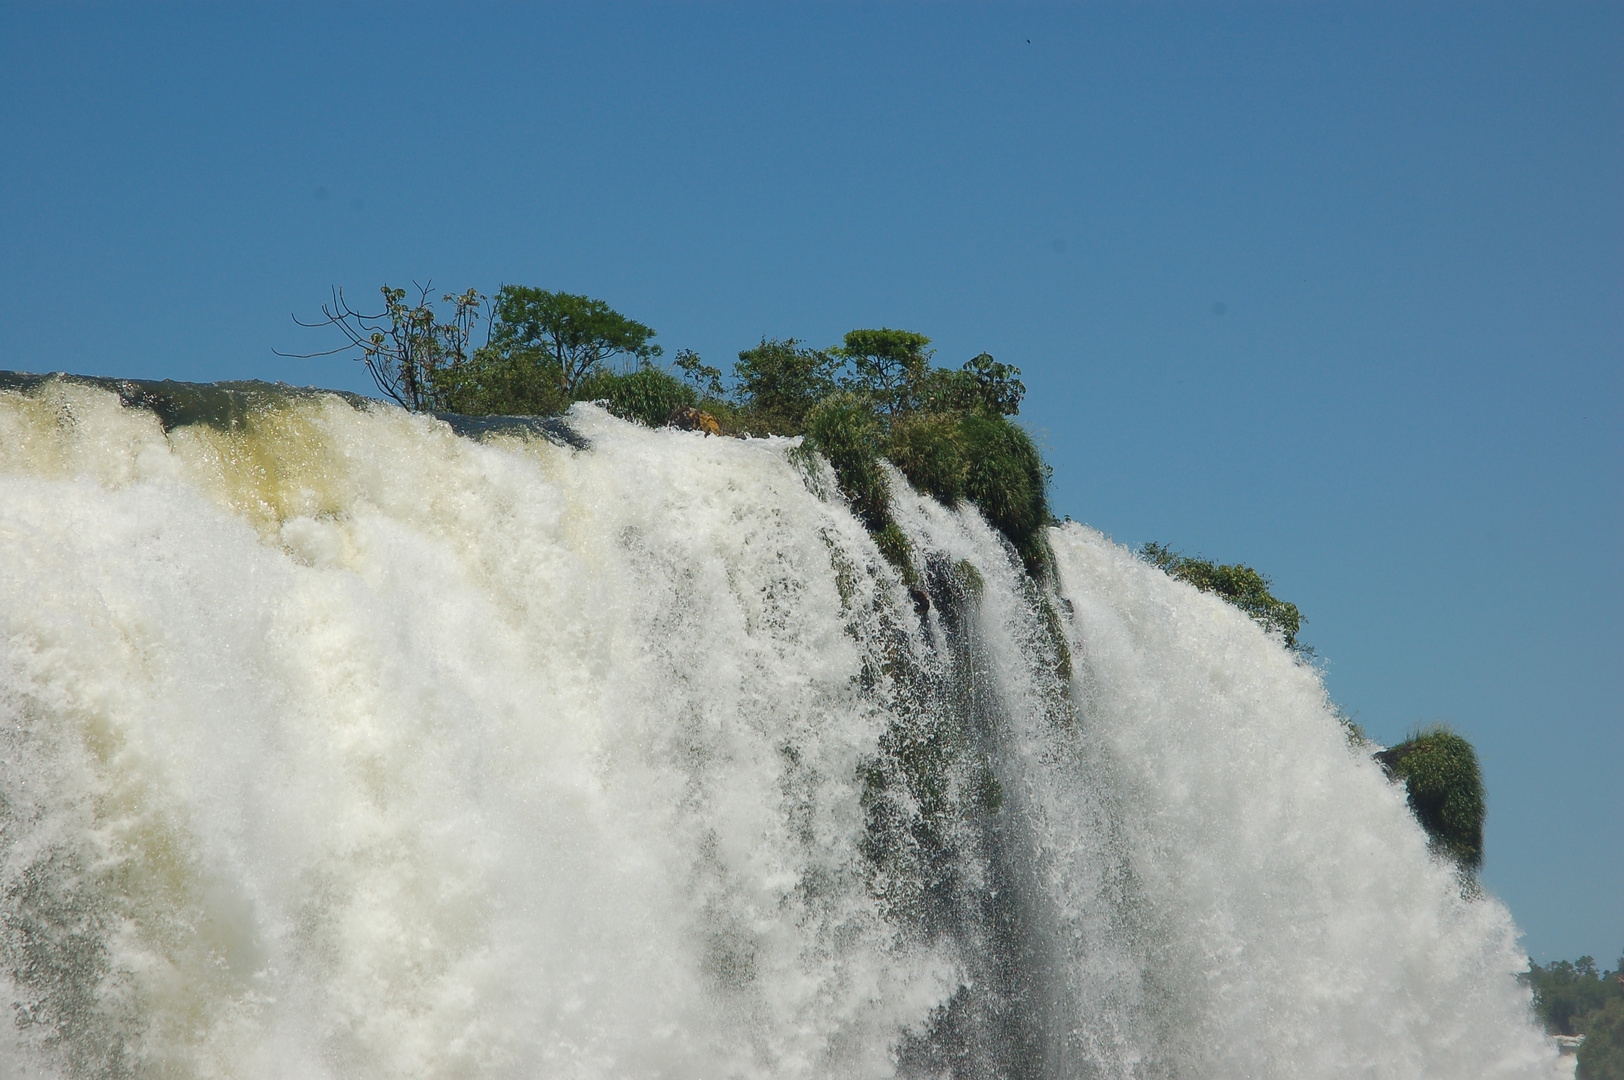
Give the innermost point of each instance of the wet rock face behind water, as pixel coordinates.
(340, 742)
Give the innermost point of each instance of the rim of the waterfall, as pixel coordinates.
(176, 403)
(961, 455)
(226, 405)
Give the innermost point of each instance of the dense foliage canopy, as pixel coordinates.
(1573, 998)
(877, 397)
(568, 338)
(1602, 1055)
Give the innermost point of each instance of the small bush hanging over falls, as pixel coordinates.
(1439, 770)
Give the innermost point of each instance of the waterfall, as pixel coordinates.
(339, 742)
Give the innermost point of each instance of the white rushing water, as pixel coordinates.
(334, 744)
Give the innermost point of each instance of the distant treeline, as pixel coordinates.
(1573, 998)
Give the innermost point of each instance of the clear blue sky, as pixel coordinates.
(1333, 290)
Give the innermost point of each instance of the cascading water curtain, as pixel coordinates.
(337, 744)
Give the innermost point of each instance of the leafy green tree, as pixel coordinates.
(705, 380)
(780, 382)
(576, 335)
(981, 385)
(1240, 585)
(410, 352)
(1440, 772)
(998, 385)
(1601, 1055)
(889, 366)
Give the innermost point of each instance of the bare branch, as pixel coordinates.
(311, 355)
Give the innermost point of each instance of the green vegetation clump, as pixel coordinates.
(874, 397)
(647, 395)
(1007, 480)
(777, 386)
(517, 382)
(845, 431)
(1566, 992)
(931, 450)
(1240, 585)
(983, 457)
(1573, 998)
(1601, 1056)
(1439, 769)
(542, 351)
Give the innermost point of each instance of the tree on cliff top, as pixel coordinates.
(1566, 992)
(890, 366)
(407, 348)
(1602, 1055)
(576, 334)
(780, 382)
(542, 348)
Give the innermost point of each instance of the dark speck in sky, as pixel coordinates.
(1219, 307)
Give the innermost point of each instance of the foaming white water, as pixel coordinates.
(337, 745)
(1281, 887)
